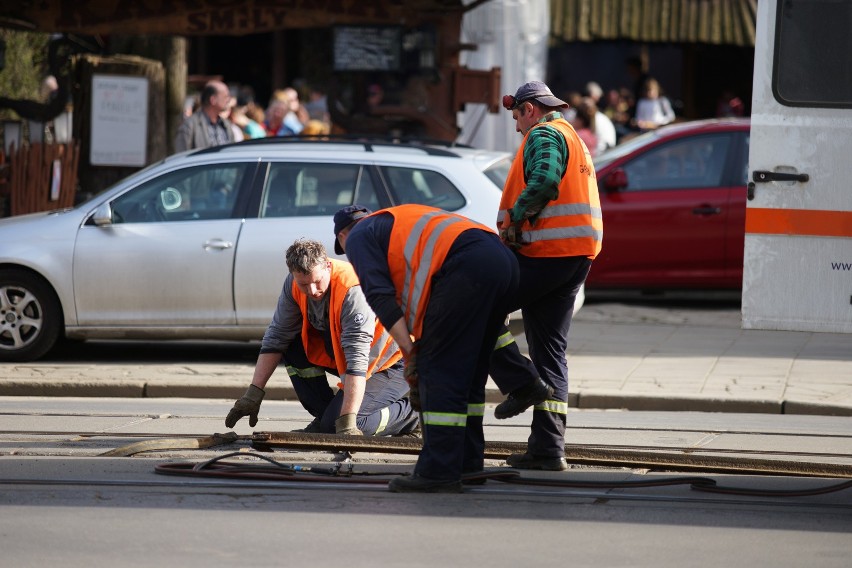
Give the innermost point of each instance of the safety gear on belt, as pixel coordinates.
(346, 425)
(411, 377)
(248, 405)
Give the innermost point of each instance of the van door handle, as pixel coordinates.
(706, 210)
(765, 177)
(217, 244)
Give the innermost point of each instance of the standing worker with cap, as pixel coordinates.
(323, 324)
(422, 271)
(551, 218)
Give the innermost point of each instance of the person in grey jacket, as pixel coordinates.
(206, 127)
(323, 324)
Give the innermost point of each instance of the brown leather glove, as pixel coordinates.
(512, 236)
(412, 377)
(248, 405)
(346, 425)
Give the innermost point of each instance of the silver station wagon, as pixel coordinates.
(193, 247)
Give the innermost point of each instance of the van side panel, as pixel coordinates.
(797, 272)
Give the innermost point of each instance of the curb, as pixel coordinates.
(584, 400)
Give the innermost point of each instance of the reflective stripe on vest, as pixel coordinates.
(414, 289)
(419, 243)
(554, 406)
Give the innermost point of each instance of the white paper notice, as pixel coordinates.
(119, 120)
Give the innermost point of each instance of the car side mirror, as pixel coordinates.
(102, 215)
(616, 180)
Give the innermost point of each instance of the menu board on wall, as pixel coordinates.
(367, 48)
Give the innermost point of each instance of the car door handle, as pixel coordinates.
(217, 244)
(706, 210)
(765, 177)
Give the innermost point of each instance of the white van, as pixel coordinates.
(798, 245)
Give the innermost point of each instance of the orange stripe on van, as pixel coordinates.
(803, 222)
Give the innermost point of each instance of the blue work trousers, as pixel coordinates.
(385, 410)
(467, 306)
(546, 294)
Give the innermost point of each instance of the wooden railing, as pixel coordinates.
(40, 177)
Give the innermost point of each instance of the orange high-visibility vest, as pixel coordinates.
(571, 224)
(383, 349)
(419, 243)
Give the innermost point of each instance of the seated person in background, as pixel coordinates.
(584, 124)
(653, 109)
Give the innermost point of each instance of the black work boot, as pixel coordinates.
(412, 427)
(543, 463)
(312, 428)
(418, 484)
(522, 398)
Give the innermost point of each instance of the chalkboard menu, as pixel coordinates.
(367, 48)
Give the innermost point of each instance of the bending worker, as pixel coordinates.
(551, 219)
(324, 324)
(423, 270)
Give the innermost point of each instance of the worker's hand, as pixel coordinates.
(248, 405)
(347, 426)
(512, 236)
(412, 377)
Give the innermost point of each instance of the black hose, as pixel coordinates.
(345, 473)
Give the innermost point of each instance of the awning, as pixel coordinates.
(718, 22)
(212, 17)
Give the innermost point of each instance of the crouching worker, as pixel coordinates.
(324, 324)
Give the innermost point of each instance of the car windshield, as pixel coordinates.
(122, 180)
(623, 149)
(498, 172)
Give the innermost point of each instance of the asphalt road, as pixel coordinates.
(63, 504)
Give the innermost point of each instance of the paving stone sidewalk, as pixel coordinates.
(621, 356)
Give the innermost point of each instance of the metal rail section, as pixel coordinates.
(685, 460)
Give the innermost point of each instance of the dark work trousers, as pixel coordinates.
(467, 305)
(546, 294)
(509, 368)
(385, 410)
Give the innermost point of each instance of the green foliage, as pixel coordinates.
(26, 61)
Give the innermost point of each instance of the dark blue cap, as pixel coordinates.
(346, 217)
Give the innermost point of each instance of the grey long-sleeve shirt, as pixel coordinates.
(358, 323)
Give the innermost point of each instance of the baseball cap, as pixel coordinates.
(536, 90)
(346, 217)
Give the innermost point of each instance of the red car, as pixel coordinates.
(674, 203)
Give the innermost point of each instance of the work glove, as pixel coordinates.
(512, 236)
(412, 377)
(346, 425)
(248, 405)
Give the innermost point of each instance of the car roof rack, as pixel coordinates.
(366, 141)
